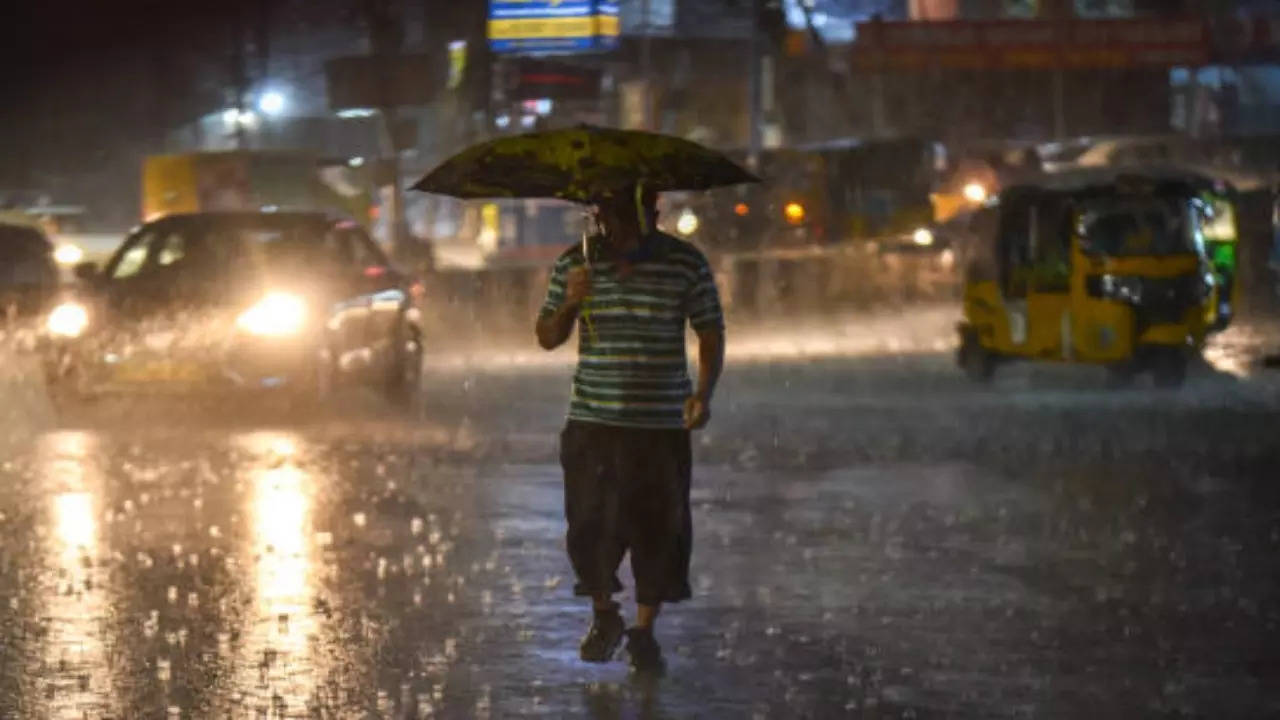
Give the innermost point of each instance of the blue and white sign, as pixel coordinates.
(552, 26)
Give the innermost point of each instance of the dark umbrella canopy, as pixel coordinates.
(580, 164)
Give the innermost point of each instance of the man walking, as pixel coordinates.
(625, 449)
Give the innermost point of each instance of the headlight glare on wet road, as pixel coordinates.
(68, 320)
(277, 314)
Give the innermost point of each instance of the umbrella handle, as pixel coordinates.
(586, 314)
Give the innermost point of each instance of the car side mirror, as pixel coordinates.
(86, 271)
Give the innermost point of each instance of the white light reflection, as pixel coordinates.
(909, 332)
(277, 663)
(73, 602)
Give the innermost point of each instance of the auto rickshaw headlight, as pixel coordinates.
(1116, 287)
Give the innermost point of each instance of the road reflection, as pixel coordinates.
(277, 666)
(73, 599)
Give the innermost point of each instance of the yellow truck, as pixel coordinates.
(251, 180)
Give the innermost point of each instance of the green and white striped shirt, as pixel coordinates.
(632, 366)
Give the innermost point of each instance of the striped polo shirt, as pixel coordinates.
(632, 365)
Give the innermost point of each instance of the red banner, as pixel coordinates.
(1011, 44)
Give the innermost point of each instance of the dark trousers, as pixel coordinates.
(627, 489)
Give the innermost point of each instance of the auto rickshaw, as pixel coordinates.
(1093, 268)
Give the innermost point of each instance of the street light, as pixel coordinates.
(272, 103)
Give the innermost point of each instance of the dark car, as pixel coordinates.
(28, 274)
(284, 301)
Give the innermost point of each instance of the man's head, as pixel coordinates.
(628, 213)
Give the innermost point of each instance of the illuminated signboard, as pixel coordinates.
(552, 26)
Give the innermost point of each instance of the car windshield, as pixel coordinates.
(1155, 226)
(280, 245)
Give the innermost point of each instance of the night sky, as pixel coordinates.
(78, 79)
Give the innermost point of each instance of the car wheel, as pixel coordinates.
(315, 392)
(404, 383)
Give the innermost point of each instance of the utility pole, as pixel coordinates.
(239, 74)
(386, 36)
(262, 39)
(646, 64)
(756, 93)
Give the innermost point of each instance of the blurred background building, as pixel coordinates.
(737, 74)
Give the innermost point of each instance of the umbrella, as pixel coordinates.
(579, 164)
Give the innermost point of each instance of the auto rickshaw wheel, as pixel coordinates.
(1121, 375)
(1169, 368)
(978, 364)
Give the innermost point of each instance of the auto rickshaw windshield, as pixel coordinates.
(1151, 227)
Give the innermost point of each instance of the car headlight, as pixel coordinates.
(688, 223)
(68, 320)
(68, 254)
(279, 313)
(947, 259)
(922, 237)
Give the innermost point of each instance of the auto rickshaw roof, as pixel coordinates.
(1095, 182)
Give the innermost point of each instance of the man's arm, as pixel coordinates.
(565, 293)
(707, 319)
(697, 408)
(710, 362)
(555, 328)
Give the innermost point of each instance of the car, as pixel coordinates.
(288, 302)
(28, 272)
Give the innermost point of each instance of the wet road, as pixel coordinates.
(875, 538)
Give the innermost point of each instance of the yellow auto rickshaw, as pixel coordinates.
(1094, 268)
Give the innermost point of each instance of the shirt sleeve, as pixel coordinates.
(703, 301)
(555, 287)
